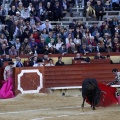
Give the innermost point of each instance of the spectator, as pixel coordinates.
(115, 4)
(12, 11)
(41, 11)
(4, 50)
(59, 44)
(17, 45)
(36, 50)
(33, 62)
(28, 50)
(57, 12)
(89, 11)
(99, 10)
(100, 48)
(49, 11)
(83, 49)
(25, 13)
(63, 50)
(59, 62)
(46, 25)
(18, 62)
(20, 7)
(44, 33)
(50, 36)
(98, 56)
(53, 50)
(12, 51)
(39, 63)
(72, 49)
(7, 58)
(50, 63)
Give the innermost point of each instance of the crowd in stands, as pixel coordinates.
(23, 31)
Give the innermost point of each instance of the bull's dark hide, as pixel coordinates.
(90, 91)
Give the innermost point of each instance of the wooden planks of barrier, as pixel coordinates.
(38, 79)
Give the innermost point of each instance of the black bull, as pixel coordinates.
(90, 91)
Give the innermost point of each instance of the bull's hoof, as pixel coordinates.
(82, 106)
(94, 109)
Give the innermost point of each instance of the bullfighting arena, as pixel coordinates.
(53, 107)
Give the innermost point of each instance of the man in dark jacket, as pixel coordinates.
(59, 62)
(57, 12)
(99, 10)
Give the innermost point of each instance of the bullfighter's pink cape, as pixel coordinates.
(6, 90)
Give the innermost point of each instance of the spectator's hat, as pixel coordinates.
(11, 63)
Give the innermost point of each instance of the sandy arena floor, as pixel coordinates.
(51, 107)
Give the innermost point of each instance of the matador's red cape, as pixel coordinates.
(108, 96)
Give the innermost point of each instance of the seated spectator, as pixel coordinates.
(59, 62)
(25, 43)
(99, 10)
(46, 49)
(72, 49)
(34, 61)
(106, 30)
(7, 43)
(25, 13)
(28, 50)
(116, 47)
(7, 58)
(12, 11)
(46, 25)
(108, 46)
(59, 44)
(94, 27)
(108, 5)
(53, 50)
(116, 4)
(17, 44)
(79, 57)
(39, 63)
(44, 33)
(63, 50)
(92, 41)
(32, 57)
(100, 48)
(51, 43)
(33, 43)
(18, 62)
(89, 11)
(45, 57)
(50, 63)
(4, 50)
(115, 22)
(83, 49)
(12, 50)
(36, 50)
(50, 36)
(91, 48)
(98, 56)
(42, 45)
